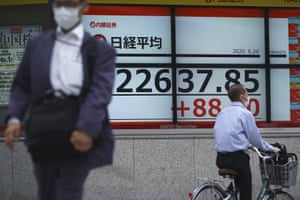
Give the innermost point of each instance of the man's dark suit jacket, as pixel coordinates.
(32, 80)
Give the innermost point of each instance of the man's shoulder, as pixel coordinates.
(104, 45)
(101, 44)
(243, 111)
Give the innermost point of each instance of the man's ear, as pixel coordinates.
(241, 97)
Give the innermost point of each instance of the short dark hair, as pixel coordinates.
(235, 91)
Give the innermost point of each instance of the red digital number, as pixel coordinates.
(214, 107)
(200, 107)
(254, 106)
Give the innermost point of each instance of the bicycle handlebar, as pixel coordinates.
(260, 154)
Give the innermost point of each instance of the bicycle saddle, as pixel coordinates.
(228, 172)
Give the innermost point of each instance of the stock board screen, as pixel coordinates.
(214, 48)
(284, 28)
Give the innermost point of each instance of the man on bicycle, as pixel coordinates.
(234, 129)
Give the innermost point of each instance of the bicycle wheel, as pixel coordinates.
(280, 195)
(210, 192)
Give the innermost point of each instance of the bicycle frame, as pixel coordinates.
(230, 192)
(203, 185)
(264, 189)
(266, 192)
(266, 181)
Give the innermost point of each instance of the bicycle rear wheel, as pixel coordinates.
(280, 195)
(210, 192)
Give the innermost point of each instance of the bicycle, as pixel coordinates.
(271, 174)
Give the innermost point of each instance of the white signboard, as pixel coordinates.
(210, 35)
(13, 40)
(139, 34)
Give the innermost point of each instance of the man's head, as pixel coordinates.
(68, 13)
(238, 92)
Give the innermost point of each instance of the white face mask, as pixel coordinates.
(246, 103)
(66, 17)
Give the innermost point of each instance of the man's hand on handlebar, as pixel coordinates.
(276, 150)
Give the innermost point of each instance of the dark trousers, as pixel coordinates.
(238, 161)
(61, 180)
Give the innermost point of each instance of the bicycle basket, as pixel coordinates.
(283, 175)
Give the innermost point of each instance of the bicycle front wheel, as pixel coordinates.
(280, 195)
(210, 192)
